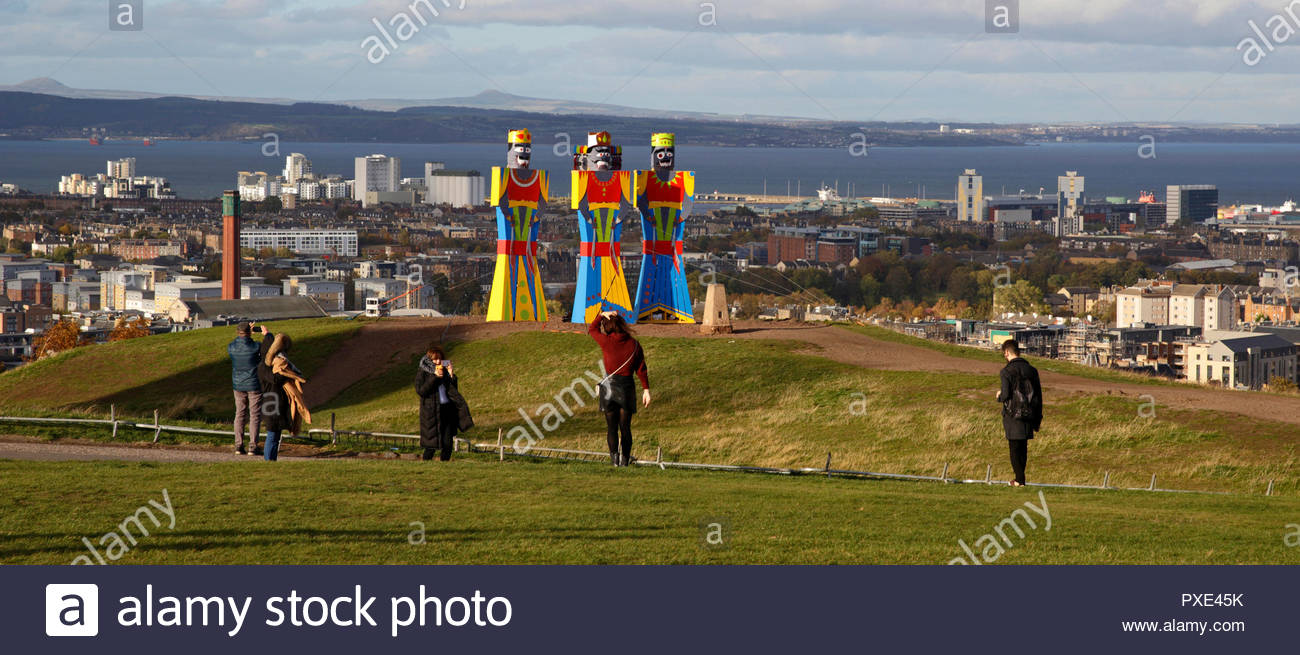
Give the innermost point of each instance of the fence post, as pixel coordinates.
(828, 465)
(1153, 482)
(1105, 482)
(157, 427)
(659, 457)
(1270, 489)
(988, 475)
(334, 435)
(501, 447)
(112, 416)
(944, 476)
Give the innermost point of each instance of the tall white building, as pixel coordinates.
(122, 169)
(376, 173)
(456, 188)
(296, 167)
(970, 197)
(1069, 193)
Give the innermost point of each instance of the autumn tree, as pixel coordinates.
(129, 329)
(60, 337)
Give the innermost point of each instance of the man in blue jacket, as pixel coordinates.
(244, 357)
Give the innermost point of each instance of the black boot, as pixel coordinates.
(614, 459)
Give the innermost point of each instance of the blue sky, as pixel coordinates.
(1100, 60)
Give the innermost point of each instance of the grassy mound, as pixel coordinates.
(184, 375)
(716, 401)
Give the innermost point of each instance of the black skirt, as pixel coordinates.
(618, 392)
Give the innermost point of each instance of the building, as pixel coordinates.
(867, 240)
(414, 295)
(1069, 197)
(296, 168)
(251, 290)
(113, 286)
(338, 243)
(460, 189)
(787, 244)
(147, 249)
(379, 173)
(1080, 300)
(970, 197)
(121, 169)
(327, 293)
(1241, 359)
(1246, 246)
(1191, 203)
(1187, 304)
(1138, 306)
(168, 294)
(1211, 307)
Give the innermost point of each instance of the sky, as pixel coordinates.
(855, 60)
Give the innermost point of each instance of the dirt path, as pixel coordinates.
(27, 448)
(390, 340)
(860, 350)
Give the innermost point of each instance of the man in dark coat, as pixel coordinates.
(245, 355)
(443, 411)
(1021, 396)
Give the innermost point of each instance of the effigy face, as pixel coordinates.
(520, 154)
(663, 161)
(600, 158)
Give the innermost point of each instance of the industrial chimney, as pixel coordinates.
(230, 253)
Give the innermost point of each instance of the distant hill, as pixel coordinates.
(489, 99)
(24, 114)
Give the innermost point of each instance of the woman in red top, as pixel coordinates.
(623, 357)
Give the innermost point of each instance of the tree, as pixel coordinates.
(134, 328)
(898, 282)
(60, 337)
(272, 205)
(1021, 297)
(1104, 312)
(1282, 384)
(870, 290)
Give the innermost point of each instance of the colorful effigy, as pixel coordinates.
(601, 194)
(519, 195)
(664, 196)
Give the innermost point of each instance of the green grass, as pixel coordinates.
(716, 401)
(185, 375)
(479, 511)
(757, 403)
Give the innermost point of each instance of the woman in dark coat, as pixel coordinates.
(277, 407)
(443, 411)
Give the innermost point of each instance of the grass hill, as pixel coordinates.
(731, 401)
(718, 400)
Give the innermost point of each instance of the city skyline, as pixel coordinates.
(1115, 62)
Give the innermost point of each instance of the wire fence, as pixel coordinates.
(397, 441)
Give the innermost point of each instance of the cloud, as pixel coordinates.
(763, 56)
